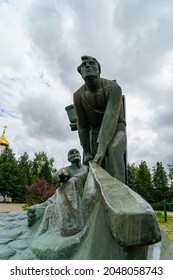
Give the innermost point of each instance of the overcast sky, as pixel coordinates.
(41, 43)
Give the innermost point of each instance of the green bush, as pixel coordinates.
(169, 206)
(160, 206)
(25, 207)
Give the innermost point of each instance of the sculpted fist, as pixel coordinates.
(87, 158)
(63, 175)
(98, 158)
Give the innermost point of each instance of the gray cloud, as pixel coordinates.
(145, 28)
(131, 39)
(44, 119)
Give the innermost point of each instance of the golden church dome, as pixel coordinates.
(3, 140)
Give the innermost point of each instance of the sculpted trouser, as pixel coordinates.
(114, 158)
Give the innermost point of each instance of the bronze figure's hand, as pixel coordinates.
(98, 158)
(87, 158)
(63, 175)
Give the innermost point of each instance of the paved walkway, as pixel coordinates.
(10, 207)
(15, 236)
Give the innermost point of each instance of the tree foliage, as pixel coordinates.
(42, 167)
(9, 174)
(132, 172)
(17, 175)
(39, 192)
(170, 178)
(144, 182)
(160, 182)
(153, 186)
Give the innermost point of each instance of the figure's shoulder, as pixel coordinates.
(78, 92)
(110, 84)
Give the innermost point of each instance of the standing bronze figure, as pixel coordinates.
(100, 119)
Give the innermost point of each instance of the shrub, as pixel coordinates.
(160, 206)
(39, 192)
(169, 206)
(25, 207)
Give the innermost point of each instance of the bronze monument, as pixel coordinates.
(100, 119)
(93, 214)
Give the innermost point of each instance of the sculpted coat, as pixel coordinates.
(101, 120)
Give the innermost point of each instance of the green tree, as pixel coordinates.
(160, 183)
(25, 176)
(143, 182)
(132, 172)
(25, 165)
(9, 174)
(170, 178)
(42, 167)
(46, 171)
(17, 175)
